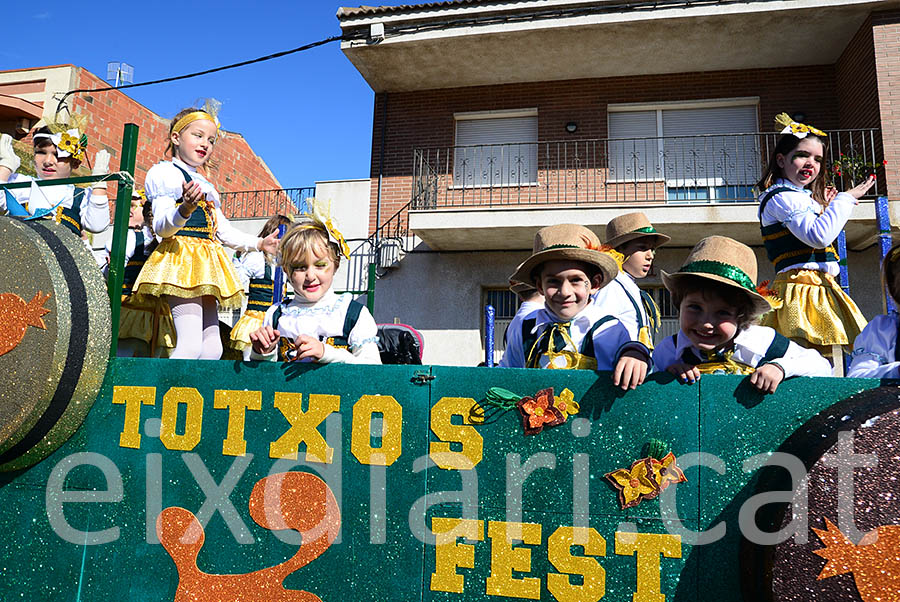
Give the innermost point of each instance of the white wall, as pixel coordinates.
(350, 210)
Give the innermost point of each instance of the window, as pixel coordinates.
(667, 311)
(506, 304)
(701, 153)
(495, 149)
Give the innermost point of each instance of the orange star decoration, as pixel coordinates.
(566, 404)
(874, 562)
(666, 472)
(645, 479)
(16, 316)
(539, 412)
(635, 484)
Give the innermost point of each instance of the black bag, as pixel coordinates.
(400, 344)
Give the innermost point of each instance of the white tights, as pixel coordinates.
(197, 328)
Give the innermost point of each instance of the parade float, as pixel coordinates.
(154, 479)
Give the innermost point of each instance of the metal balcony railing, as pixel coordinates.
(265, 203)
(709, 168)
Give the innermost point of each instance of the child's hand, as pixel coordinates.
(9, 160)
(857, 191)
(685, 373)
(101, 168)
(767, 377)
(269, 244)
(190, 196)
(631, 369)
(830, 193)
(264, 340)
(309, 347)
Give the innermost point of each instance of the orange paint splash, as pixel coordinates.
(291, 500)
(16, 316)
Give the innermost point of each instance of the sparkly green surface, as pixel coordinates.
(689, 418)
(34, 367)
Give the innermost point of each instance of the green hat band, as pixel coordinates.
(717, 268)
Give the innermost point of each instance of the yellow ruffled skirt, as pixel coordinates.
(138, 316)
(188, 267)
(816, 311)
(251, 321)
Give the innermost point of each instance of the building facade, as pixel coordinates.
(492, 119)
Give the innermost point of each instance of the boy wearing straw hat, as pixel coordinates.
(567, 268)
(717, 302)
(875, 351)
(634, 237)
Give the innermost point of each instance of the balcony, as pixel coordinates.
(684, 183)
(249, 204)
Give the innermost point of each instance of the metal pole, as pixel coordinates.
(370, 290)
(884, 236)
(489, 314)
(278, 283)
(844, 278)
(120, 231)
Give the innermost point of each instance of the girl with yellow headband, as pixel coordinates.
(189, 268)
(317, 325)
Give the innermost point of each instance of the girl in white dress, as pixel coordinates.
(875, 349)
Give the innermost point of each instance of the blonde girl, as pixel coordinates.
(317, 325)
(189, 268)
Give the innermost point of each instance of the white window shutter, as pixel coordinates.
(499, 151)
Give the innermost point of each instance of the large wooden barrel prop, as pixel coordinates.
(54, 338)
(855, 559)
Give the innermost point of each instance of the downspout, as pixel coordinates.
(380, 174)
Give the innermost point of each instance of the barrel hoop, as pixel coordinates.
(68, 380)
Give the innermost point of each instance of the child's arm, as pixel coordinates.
(793, 209)
(631, 361)
(164, 185)
(874, 350)
(800, 361)
(513, 355)
(234, 238)
(95, 205)
(363, 342)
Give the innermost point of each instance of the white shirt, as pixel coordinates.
(250, 265)
(130, 246)
(804, 217)
(94, 205)
(615, 299)
(525, 311)
(874, 350)
(750, 347)
(324, 319)
(611, 339)
(164, 186)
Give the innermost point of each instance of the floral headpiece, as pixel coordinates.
(800, 130)
(618, 257)
(70, 143)
(319, 217)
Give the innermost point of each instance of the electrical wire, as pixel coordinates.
(62, 101)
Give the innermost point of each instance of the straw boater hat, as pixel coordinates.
(566, 241)
(724, 260)
(630, 226)
(520, 288)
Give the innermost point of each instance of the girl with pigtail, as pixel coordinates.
(189, 268)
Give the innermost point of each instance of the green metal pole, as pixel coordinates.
(120, 231)
(370, 291)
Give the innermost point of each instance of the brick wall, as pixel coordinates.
(235, 166)
(425, 118)
(886, 41)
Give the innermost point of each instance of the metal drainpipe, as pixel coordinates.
(380, 176)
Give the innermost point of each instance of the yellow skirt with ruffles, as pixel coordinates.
(251, 321)
(138, 316)
(816, 311)
(188, 267)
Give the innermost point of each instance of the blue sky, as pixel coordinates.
(309, 114)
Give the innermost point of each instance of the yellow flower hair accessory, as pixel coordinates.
(800, 130)
(69, 143)
(618, 257)
(320, 214)
(770, 295)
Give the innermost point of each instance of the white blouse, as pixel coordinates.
(750, 347)
(805, 218)
(164, 186)
(94, 205)
(615, 299)
(322, 320)
(874, 350)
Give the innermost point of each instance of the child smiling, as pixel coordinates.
(567, 268)
(717, 302)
